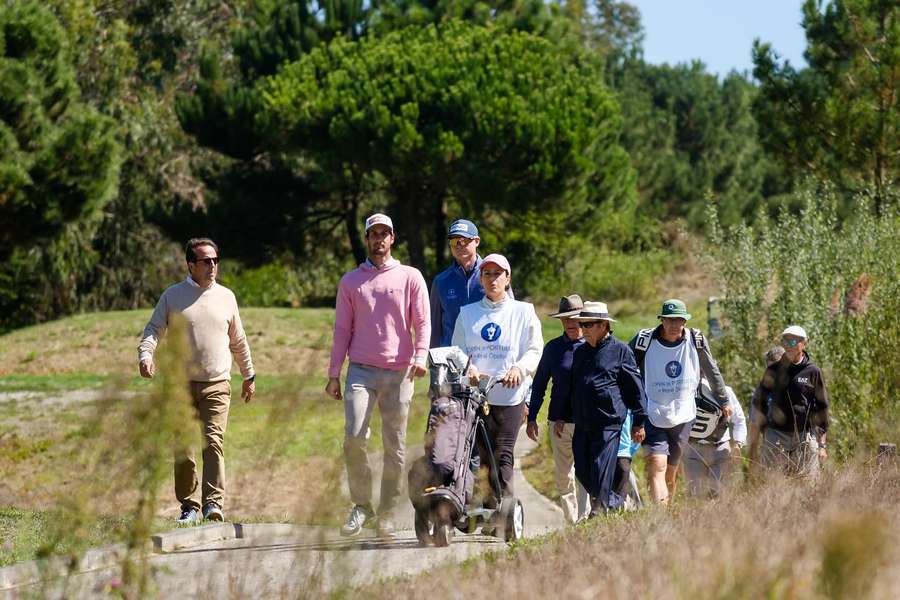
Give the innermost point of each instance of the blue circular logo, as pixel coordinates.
(490, 332)
(673, 369)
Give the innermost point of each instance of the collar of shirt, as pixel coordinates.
(485, 302)
(191, 281)
(468, 272)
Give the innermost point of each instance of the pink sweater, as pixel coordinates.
(377, 311)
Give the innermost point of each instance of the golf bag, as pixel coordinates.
(450, 433)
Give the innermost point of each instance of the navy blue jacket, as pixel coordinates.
(555, 365)
(452, 289)
(605, 384)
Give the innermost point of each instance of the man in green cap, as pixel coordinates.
(672, 362)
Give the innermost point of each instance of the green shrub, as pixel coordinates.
(279, 284)
(840, 280)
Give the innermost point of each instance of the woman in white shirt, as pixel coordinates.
(502, 338)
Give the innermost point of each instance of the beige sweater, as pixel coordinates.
(214, 330)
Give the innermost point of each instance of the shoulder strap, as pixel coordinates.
(699, 340)
(642, 342)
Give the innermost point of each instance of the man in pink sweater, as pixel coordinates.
(379, 306)
(214, 332)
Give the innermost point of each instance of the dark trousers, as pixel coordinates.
(595, 466)
(503, 424)
(621, 482)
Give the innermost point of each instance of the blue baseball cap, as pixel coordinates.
(462, 228)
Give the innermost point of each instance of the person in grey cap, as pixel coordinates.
(672, 359)
(556, 366)
(790, 405)
(457, 285)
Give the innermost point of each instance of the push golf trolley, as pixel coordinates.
(441, 483)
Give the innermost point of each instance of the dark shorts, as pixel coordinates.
(670, 441)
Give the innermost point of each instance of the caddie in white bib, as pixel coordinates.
(671, 378)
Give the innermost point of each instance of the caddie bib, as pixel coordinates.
(671, 378)
(495, 340)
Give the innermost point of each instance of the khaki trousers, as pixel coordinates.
(392, 391)
(211, 401)
(572, 496)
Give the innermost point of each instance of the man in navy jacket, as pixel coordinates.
(605, 384)
(556, 366)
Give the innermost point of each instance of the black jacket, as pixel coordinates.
(605, 384)
(792, 397)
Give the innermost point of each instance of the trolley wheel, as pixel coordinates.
(512, 520)
(444, 529)
(424, 527)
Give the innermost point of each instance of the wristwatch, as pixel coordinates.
(252, 378)
(822, 445)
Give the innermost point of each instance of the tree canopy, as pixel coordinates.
(59, 158)
(838, 118)
(491, 119)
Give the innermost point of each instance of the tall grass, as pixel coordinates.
(840, 280)
(784, 539)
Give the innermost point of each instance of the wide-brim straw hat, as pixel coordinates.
(594, 311)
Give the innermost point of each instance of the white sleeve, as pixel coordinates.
(533, 344)
(459, 333)
(738, 420)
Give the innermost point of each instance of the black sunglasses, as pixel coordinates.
(589, 324)
(210, 260)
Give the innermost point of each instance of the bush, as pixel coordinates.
(279, 284)
(840, 280)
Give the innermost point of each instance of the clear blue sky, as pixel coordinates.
(720, 32)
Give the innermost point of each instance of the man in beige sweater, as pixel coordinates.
(214, 333)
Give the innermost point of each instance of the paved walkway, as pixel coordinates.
(266, 560)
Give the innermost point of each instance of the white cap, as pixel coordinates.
(796, 331)
(379, 219)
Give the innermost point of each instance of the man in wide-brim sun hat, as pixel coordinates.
(606, 384)
(556, 366)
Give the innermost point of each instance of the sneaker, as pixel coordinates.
(359, 516)
(385, 525)
(189, 516)
(211, 512)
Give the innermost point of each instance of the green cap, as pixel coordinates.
(674, 308)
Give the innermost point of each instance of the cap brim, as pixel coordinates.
(686, 317)
(570, 313)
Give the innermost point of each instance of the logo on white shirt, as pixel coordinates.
(490, 332)
(673, 369)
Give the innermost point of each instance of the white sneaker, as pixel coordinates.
(358, 517)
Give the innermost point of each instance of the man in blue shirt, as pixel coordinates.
(556, 366)
(458, 285)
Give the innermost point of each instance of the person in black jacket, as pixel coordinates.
(556, 366)
(605, 384)
(790, 405)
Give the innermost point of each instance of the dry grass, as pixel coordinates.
(782, 539)
(283, 342)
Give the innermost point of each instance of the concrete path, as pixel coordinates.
(271, 560)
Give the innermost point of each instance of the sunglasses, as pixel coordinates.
(209, 261)
(459, 242)
(589, 324)
(786, 341)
